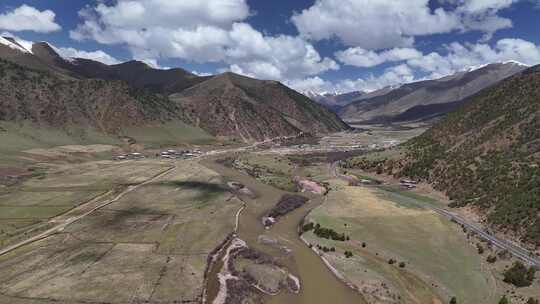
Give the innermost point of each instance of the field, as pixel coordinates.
(274, 170)
(149, 246)
(438, 260)
(26, 207)
(24, 143)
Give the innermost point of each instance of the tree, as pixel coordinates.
(453, 300)
(532, 301)
(491, 258)
(504, 300)
(402, 264)
(518, 275)
(480, 248)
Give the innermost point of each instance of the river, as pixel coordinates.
(318, 284)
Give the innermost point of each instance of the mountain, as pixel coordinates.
(253, 109)
(334, 101)
(487, 154)
(44, 99)
(41, 86)
(427, 99)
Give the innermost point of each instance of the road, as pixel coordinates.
(515, 250)
(60, 224)
(64, 223)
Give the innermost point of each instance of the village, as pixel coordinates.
(166, 154)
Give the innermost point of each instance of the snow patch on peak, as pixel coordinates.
(14, 44)
(477, 67)
(515, 62)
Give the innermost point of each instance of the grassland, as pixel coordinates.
(25, 208)
(439, 262)
(149, 246)
(274, 170)
(24, 143)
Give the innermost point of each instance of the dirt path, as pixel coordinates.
(61, 224)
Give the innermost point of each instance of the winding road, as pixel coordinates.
(515, 250)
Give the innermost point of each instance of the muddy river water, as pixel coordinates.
(318, 284)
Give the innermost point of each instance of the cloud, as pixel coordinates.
(99, 55)
(363, 58)
(398, 74)
(200, 31)
(27, 18)
(456, 58)
(460, 57)
(376, 24)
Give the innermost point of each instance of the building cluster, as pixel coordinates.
(407, 183)
(133, 155)
(172, 154)
(167, 154)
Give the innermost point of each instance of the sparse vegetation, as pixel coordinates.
(519, 275)
(484, 153)
(328, 233)
(504, 300)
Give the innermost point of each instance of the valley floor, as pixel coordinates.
(144, 231)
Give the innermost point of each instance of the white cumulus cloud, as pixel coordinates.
(383, 24)
(200, 31)
(360, 57)
(460, 56)
(28, 18)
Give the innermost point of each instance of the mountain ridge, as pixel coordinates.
(390, 105)
(243, 97)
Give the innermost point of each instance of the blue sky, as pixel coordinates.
(321, 45)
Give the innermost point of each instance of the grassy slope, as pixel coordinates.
(487, 153)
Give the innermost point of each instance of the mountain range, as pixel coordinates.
(486, 154)
(334, 101)
(424, 100)
(40, 86)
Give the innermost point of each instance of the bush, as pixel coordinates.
(532, 301)
(328, 233)
(402, 264)
(348, 254)
(391, 261)
(480, 248)
(519, 276)
(504, 300)
(491, 259)
(453, 300)
(307, 227)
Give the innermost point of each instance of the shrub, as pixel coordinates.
(480, 248)
(453, 300)
(504, 300)
(491, 258)
(532, 301)
(402, 264)
(519, 276)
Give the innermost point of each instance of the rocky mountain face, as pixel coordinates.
(486, 154)
(107, 106)
(40, 85)
(254, 109)
(335, 101)
(426, 99)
